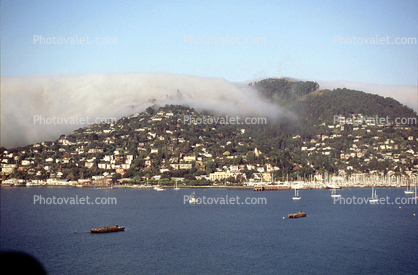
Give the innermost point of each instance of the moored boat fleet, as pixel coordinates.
(339, 182)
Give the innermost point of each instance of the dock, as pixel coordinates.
(271, 188)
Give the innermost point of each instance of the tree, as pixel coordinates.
(210, 167)
(150, 111)
(250, 157)
(115, 177)
(70, 176)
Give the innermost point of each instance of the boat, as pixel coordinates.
(299, 214)
(193, 199)
(334, 194)
(408, 191)
(296, 197)
(374, 198)
(331, 186)
(158, 188)
(416, 197)
(107, 229)
(31, 183)
(101, 187)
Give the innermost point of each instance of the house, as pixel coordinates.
(189, 158)
(260, 169)
(67, 160)
(175, 166)
(185, 166)
(266, 177)
(7, 169)
(25, 162)
(95, 151)
(118, 151)
(84, 181)
(220, 175)
(104, 165)
(162, 170)
(269, 168)
(120, 170)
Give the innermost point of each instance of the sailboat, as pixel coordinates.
(176, 188)
(296, 197)
(408, 191)
(374, 198)
(416, 197)
(334, 194)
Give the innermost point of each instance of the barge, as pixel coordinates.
(299, 214)
(107, 229)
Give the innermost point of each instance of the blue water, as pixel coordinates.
(165, 236)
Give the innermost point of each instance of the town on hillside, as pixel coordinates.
(158, 147)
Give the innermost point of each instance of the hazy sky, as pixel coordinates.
(303, 39)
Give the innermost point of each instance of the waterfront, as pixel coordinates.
(164, 235)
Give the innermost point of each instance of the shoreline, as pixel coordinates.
(227, 187)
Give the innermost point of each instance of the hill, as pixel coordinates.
(331, 132)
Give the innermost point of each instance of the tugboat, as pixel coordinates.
(299, 214)
(107, 229)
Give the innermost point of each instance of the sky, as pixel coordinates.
(331, 42)
(301, 39)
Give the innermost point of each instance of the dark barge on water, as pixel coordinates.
(299, 214)
(107, 229)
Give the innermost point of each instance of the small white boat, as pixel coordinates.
(296, 197)
(158, 188)
(31, 183)
(193, 199)
(374, 198)
(334, 194)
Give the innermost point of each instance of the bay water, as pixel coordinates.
(164, 234)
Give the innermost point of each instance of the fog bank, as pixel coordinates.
(30, 103)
